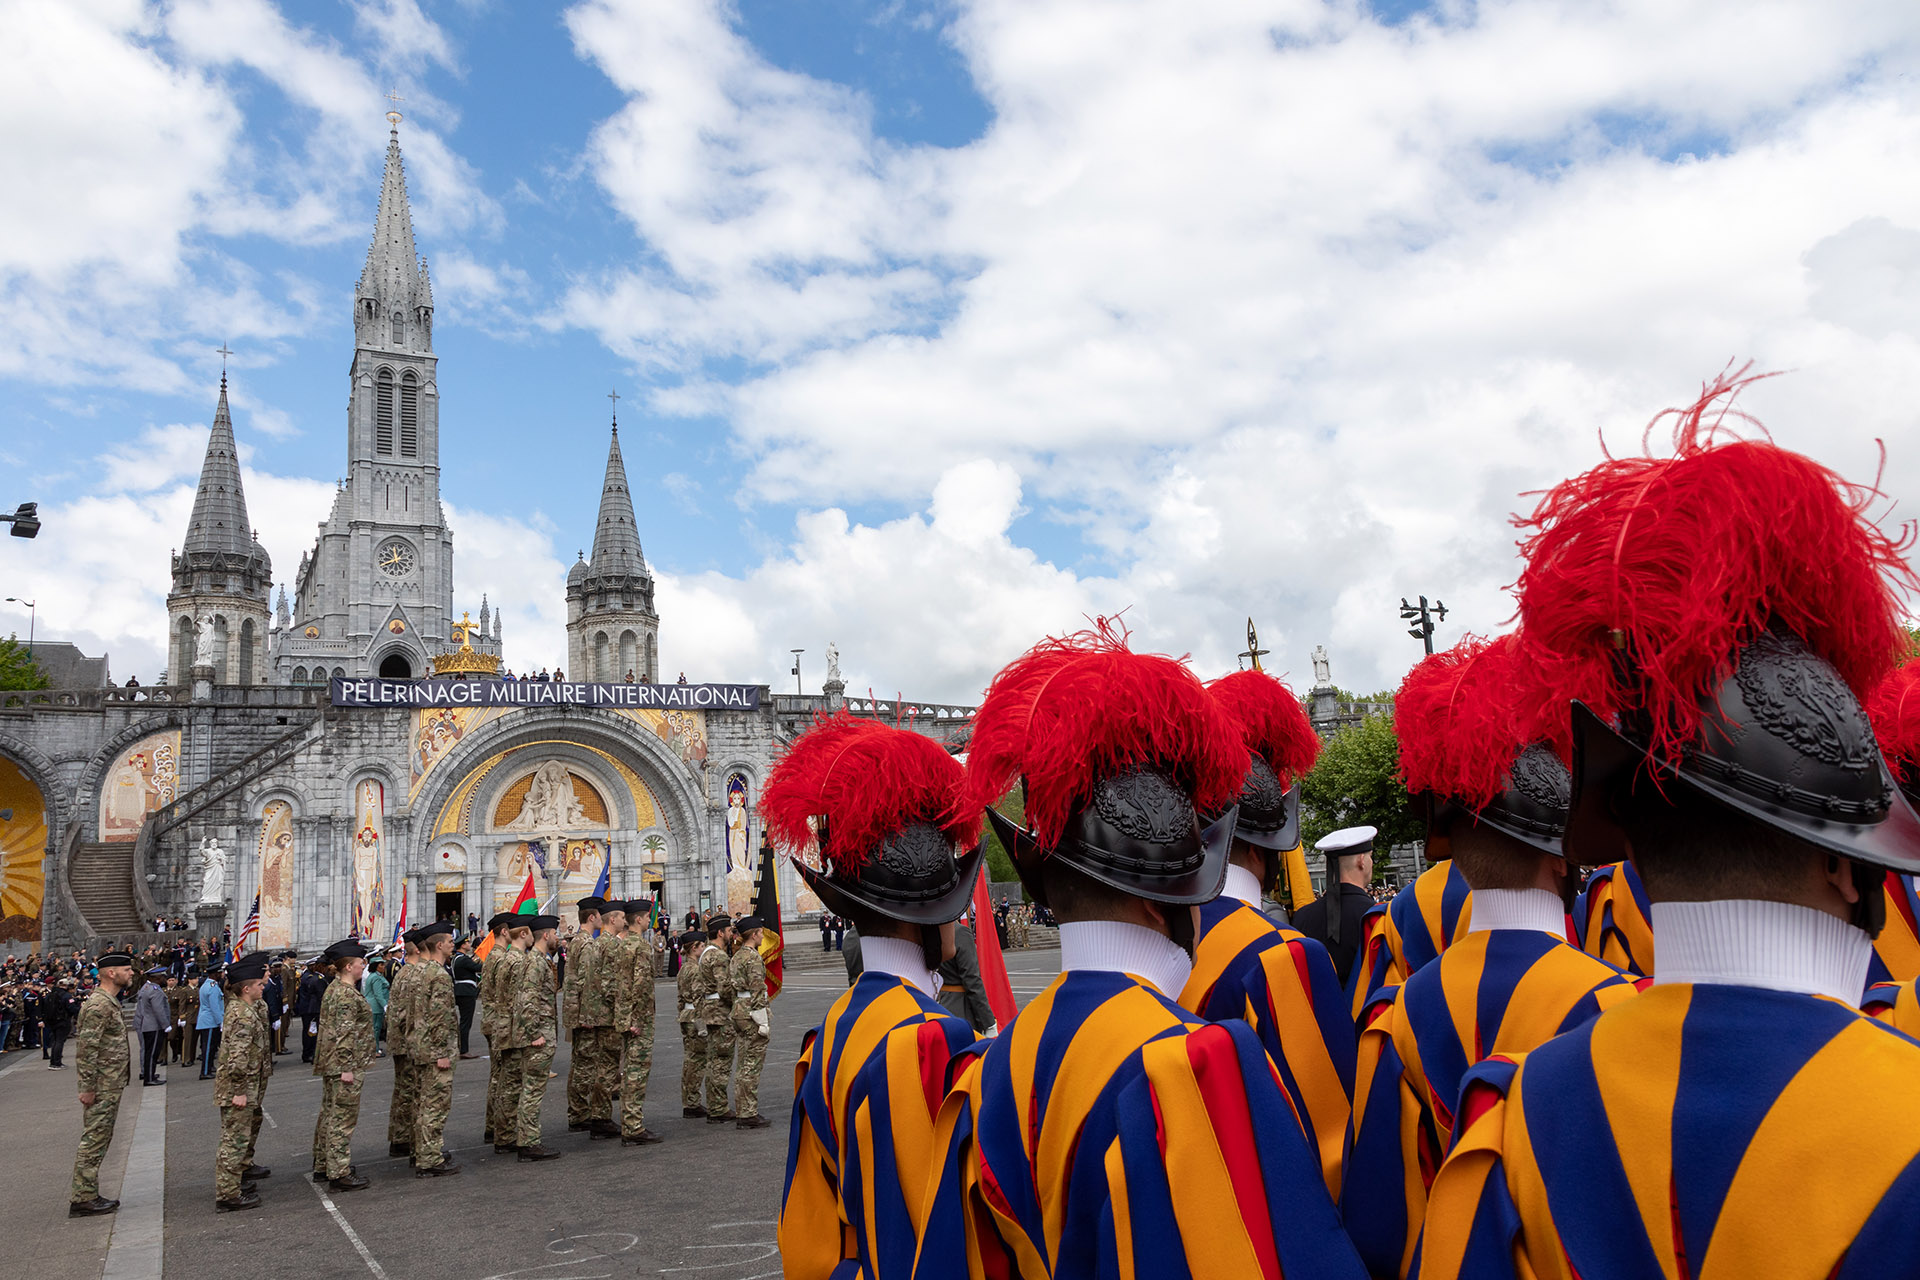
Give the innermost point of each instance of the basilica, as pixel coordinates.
(348, 760)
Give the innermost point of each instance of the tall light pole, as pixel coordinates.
(796, 671)
(1422, 618)
(31, 607)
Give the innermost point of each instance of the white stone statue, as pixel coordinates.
(213, 873)
(833, 662)
(1322, 669)
(551, 804)
(203, 641)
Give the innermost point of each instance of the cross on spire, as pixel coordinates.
(393, 116)
(224, 353)
(615, 397)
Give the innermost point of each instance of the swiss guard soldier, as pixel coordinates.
(1337, 919)
(1895, 711)
(1615, 919)
(1108, 1131)
(1276, 979)
(1411, 930)
(1496, 792)
(899, 849)
(1715, 619)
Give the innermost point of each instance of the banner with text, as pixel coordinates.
(451, 692)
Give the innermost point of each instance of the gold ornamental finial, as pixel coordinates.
(394, 117)
(465, 660)
(1254, 651)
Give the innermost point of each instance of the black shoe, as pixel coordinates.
(538, 1152)
(577, 1126)
(445, 1169)
(486, 1137)
(720, 1119)
(248, 1188)
(318, 1176)
(352, 1182)
(693, 1113)
(256, 1172)
(646, 1137)
(504, 1148)
(753, 1122)
(91, 1208)
(604, 1129)
(399, 1149)
(247, 1200)
(148, 1084)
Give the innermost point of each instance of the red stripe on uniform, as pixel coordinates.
(1216, 1070)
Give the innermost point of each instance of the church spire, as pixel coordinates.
(219, 524)
(616, 541)
(395, 298)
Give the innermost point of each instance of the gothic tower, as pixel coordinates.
(222, 578)
(375, 595)
(612, 628)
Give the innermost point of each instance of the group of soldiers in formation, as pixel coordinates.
(1661, 1069)
(606, 1004)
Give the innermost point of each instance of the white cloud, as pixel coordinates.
(512, 563)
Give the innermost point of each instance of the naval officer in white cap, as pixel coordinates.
(1337, 918)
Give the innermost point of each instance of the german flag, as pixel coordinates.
(766, 905)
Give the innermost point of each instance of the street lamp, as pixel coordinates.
(796, 670)
(1422, 618)
(25, 520)
(31, 607)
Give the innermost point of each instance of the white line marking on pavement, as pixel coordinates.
(135, 1249)
(569, 1244)
(17, 1063)
(353, 1237)
(268, 1116)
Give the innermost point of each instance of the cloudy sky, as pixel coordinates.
(942, 324)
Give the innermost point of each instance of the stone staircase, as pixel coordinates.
(100, 877)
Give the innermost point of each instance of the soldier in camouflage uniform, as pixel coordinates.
(751, 1022)
(246, 1048)
(714, 1007)
(257, 1101)
(400, 1006)
(342, 1053)
(534, 1032)
(586, 1009)
(693, 1034)
(101, 1065)
(433, 1043)
(498, 956)
(631, 967)
(511, 1048)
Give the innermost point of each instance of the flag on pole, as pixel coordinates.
(400, 923)
(251, 929)
(993, 965)
(604, 885)
(528, 902)
(766, 905)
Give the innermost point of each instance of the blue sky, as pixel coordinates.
(942, 325)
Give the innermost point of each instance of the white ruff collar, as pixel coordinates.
(1242, 884)
(1743, 942)
(898, 957)
(1115, 947)
(1518, 909)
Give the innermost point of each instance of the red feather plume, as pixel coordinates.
(1271, 722)
(1078, 708)
(1894, 707)
(869, 780)
(1676, 563)
(1462, 715)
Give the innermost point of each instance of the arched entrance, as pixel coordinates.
(396, 666)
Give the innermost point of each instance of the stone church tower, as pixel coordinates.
(611, 624)
(222, 578)
(375, 595)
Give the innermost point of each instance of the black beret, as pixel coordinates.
(691, 936)
(591, 904)
(248, 967)
(345, 949)
(747, 924)
(716, 923)
(537, 923)
(500, 918)
(114, 957)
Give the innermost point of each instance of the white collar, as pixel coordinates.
(1743, 942)
(1518, 909)
(1117, 947)
(1242, 884)
(898, 957)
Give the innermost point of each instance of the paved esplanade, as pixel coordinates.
(704, 1200)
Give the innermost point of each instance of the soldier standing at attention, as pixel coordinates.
(693, 1032)
(101, 1063)
(509, 1044)
(587, 1010)
(491, 1024)
(341, 1056)
(714, 1009)
(185, 999)
(254, 1011)
(400, 1006)
(747, 975)
(246, 1050)
(633, 1017)
(535, 1031)
(435, 1043)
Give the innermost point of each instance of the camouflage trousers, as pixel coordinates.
(400, 1114)
(333, 1131)
(534, 1063)
(591, 1071)
(496, 1058)
(96, 1131)
(236, 1137)
(432, 1099)
(503, 1111)
(693, 1065)
(636, 1064)
(719, 1065)
(752, 1057)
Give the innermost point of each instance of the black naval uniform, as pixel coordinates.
(1312, 920)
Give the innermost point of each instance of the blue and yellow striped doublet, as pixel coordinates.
(866, 1090)
(1697, 1132)
(1410, 932)
(1896, 952)
(1497, 991)
(1282, 984)
(1895, 1003)
(1108, 1132)
(1615, 919)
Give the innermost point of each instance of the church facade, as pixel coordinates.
(239, 786)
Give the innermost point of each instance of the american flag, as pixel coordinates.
(400, 925)
(251, 929)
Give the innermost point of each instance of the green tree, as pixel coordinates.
(17, 668)
(999, 862)
(1357, 783)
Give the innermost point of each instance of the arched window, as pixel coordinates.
(299, 675)
(630, 657)
(246, 652)
(409, 416)
(221, 638)
(652, 675)
(383, 412)
(602, 661)
(399, 330)
(339, 673)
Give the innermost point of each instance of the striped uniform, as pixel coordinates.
(1108, 1132)
(865, 1092)
(1615, 919)
(1495, 991)
(1895, 1003)
(1409, 932)
(1695, 1131)
(1896, 952)
(1282, 983)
